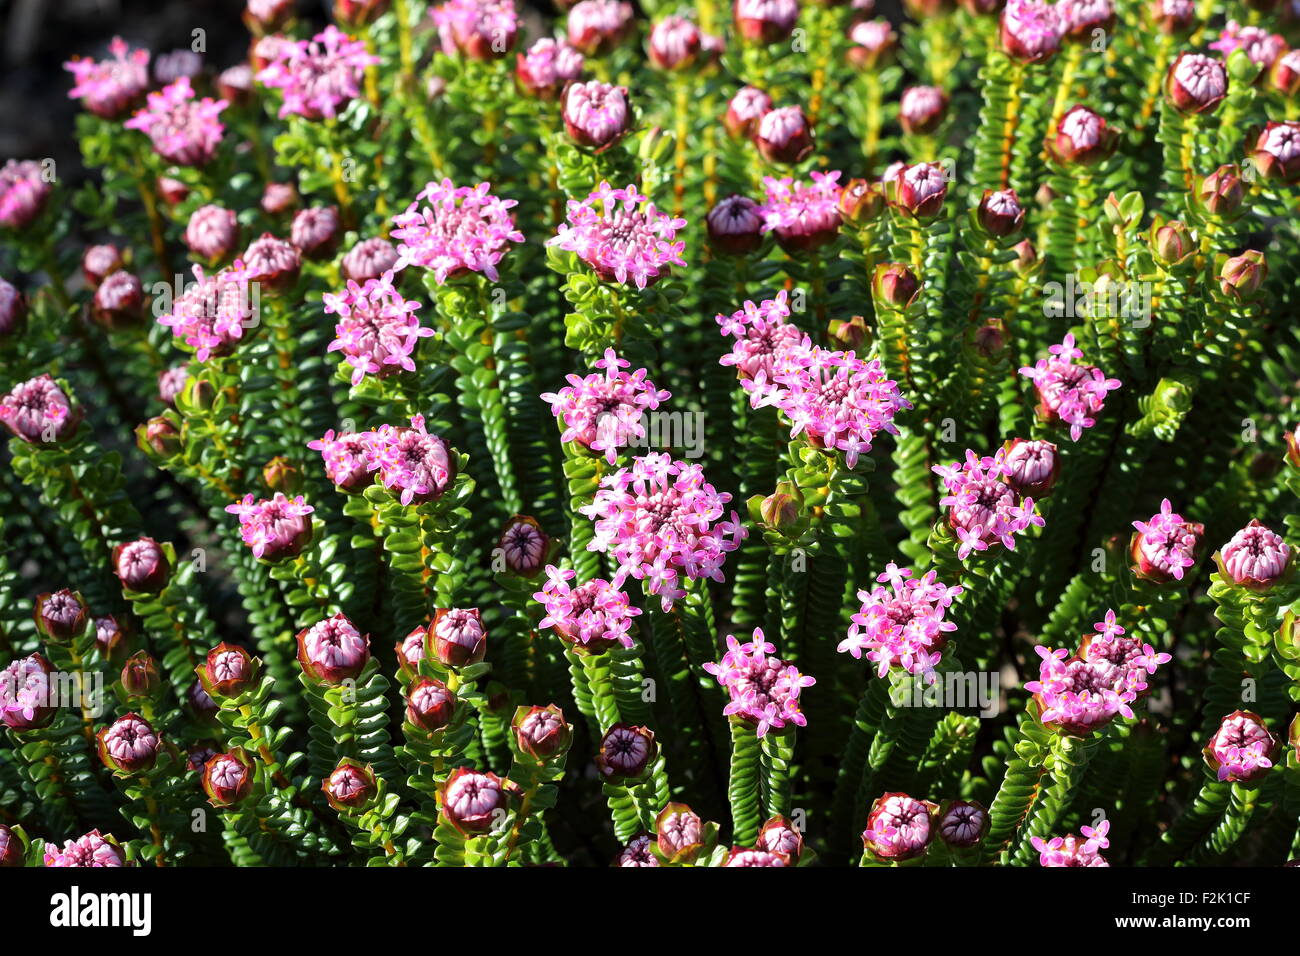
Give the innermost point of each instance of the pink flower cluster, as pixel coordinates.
(902, 625)
(604, 412)
(660, 518)
(803, 215)
(108, 87)
(1068, 392)
(211, 314)
(184, 131)
(458, 229)
(318, 77)
(620, 234)
(412, 462)
(595, 614)
(761, 334)
(1081, 692)
(984, 505)
(764, 690)
(1070, 850)
(377, 329)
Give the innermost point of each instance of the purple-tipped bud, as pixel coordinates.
(895, 285)
(1000, 212)
(369, 259)
(11, 848)
(456, 636)
(765, 21)
(272, 262)
(921, 189)
(679, 832)
(429, 704)
(279, 198)
(963, 824)
(625, 752)
(1255, 558)
(637, 853)
(524, 546)
(595, 27)
(735, 225)
(140, 676)
(98, 262)
(783, 135)
(1242, 748)
(333, 650)
(60, 616)
(228, 778)
(39, 412)
(141, 566)
(471, 800)
(744, 110)
(1277, 151)
(922, 109)
(1241, 276)
(779, 835)
(26, 699)
(228, 671)
(13, 311)
(541, 732)
(119, 301)
(212, 233)
(596, 115)
(128, 745)
(316, 231)
(898, 827)
(1032, 467)
(1081, 137)
(351, 787)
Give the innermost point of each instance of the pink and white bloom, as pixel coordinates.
(107, 88)
(804, 215)
(763, 689)
(983, 507)
(902, 625)
(276, 527)
(318, 77)
(184, 130)
(453, 230)
(1071, 850)
(659, 519)
(415, 465)
(1165, 546)
(622, 236)
(377, 330)
(605, 412)
(1067, 391)
(210, 316)
(1242, 748)
(595, 614)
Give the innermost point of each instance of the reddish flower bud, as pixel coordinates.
(11, 848)
(279, 198)
(675, 42)
(140, 675)
(27, 702)
(272, 262)
(595, 27)
(1241, 276)
(541, 732)
(1277, 151)
(471, 800)
(429, 704)
(228, 671)
(60, 616)
(1081, 137)
(39, 412)
(141, 566)
(1000, 212)
(898, 827)
(625, 752)
(783, 135)
(1242, 748)
(744, 110)
(456, 636)
(679, 832)
(874, 43)
(1032, 467)
(765, 21)
(128, 745)
(735, 225)
(368, 259)
(596, 115)
(895, 285)
(637, 853)
(1255, 558)
(920, 189)
(228, 778)
(13, 311)
(922, 109)
(316, 231)
(98, 262)
(963, 824)
(333, 650)
(779, 835)
(159, 437)
(1196, 83)
(351, 787)
(212, 233)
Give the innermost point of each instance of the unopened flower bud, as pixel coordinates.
(1172, 243)
(963, 824)
(1277, 151)
(1256, 557)
(1032, 467)
(212, 233)
(316, 231)
(98, 262)
(1242, 748)
(159, 437)
(13, 311)
(744, 110)
(920, 189)
(228, 671)
(333, 650)
(1000, 212)
(351, 787)
(472, 800)
(60, 616)
(1241, 276)
(679, 832)
(596, 114)
(368, 259)
(279, 198)
(765, 21)
(429, 704)
(39, 412)
(735, 225)
(895, 285)
(922, 109)
(457, 636)
(783, 135)
(279, 474)
(625, 752)
(141, 566)
(228, 778)
(1081, 137)
(1196, 83)
(128, 745)
(140, 675)
(898, 827)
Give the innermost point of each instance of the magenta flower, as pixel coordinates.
(1069, 392)
(620, 234)
(410, 461)
(803, 215)
(460, 229)
(1165, 546)
(595, 27)
(276, 527)
(184, 131)
(660, 518)
(480, 29)
(1080, 693)
(761, 335)
(983, 506)
(899, 827)
(369, 259)
(595, 615)
(318, 77)
(26, 702)
(107, 88)
(24, 188)
(91, 850)
(346, 457)
(1242, 748)
(547, 66)
(377, 331)
(604, 412)
(211, 314)
(1070, 850)
(128, 745)
(1261, 46)
(333, 650)
(1030, 30)
(39, 411)
(763, 690)
(902, 625)
(1255, 558)
(596, 115)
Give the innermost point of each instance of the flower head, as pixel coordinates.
(804, 215)
(417, 466)
(1071, 850)
(128, 745)
(39, 411)
(318, 77)
(622, 236)
(91, 850)
(764, 690)
(1165, 546)
(604, 410)
(901, 622)
(458, 229)
(25, 185)
(108, 88)
(377, 330)
(210, 316)
(26, 701)
(1242, 748)
(184, 130)
(276, 527)
(595, 615)
(333, 650)
(1068, 392)
(899, 827)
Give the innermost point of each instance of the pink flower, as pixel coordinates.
(1070, 850)
(604, 412)
(107, 88)
(91, 850)
(460, 229)
(761, 335)
(24, 189)
(983, 506)
(211, 314)
(660, 518)
(763, 690)
(276, 527)
(620, 234)
(1256, 556)
(480, 29)
(377, 331)
(410, 461)
(184, 131)
(1166, 545)
(1068, 392)
(803, 215)
(333, 650)
(318, 77)
(346, 457)
(595, 614)
(547, 66)
(899, 827)
(902, 625)
(38, 411)
(1242, 748)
